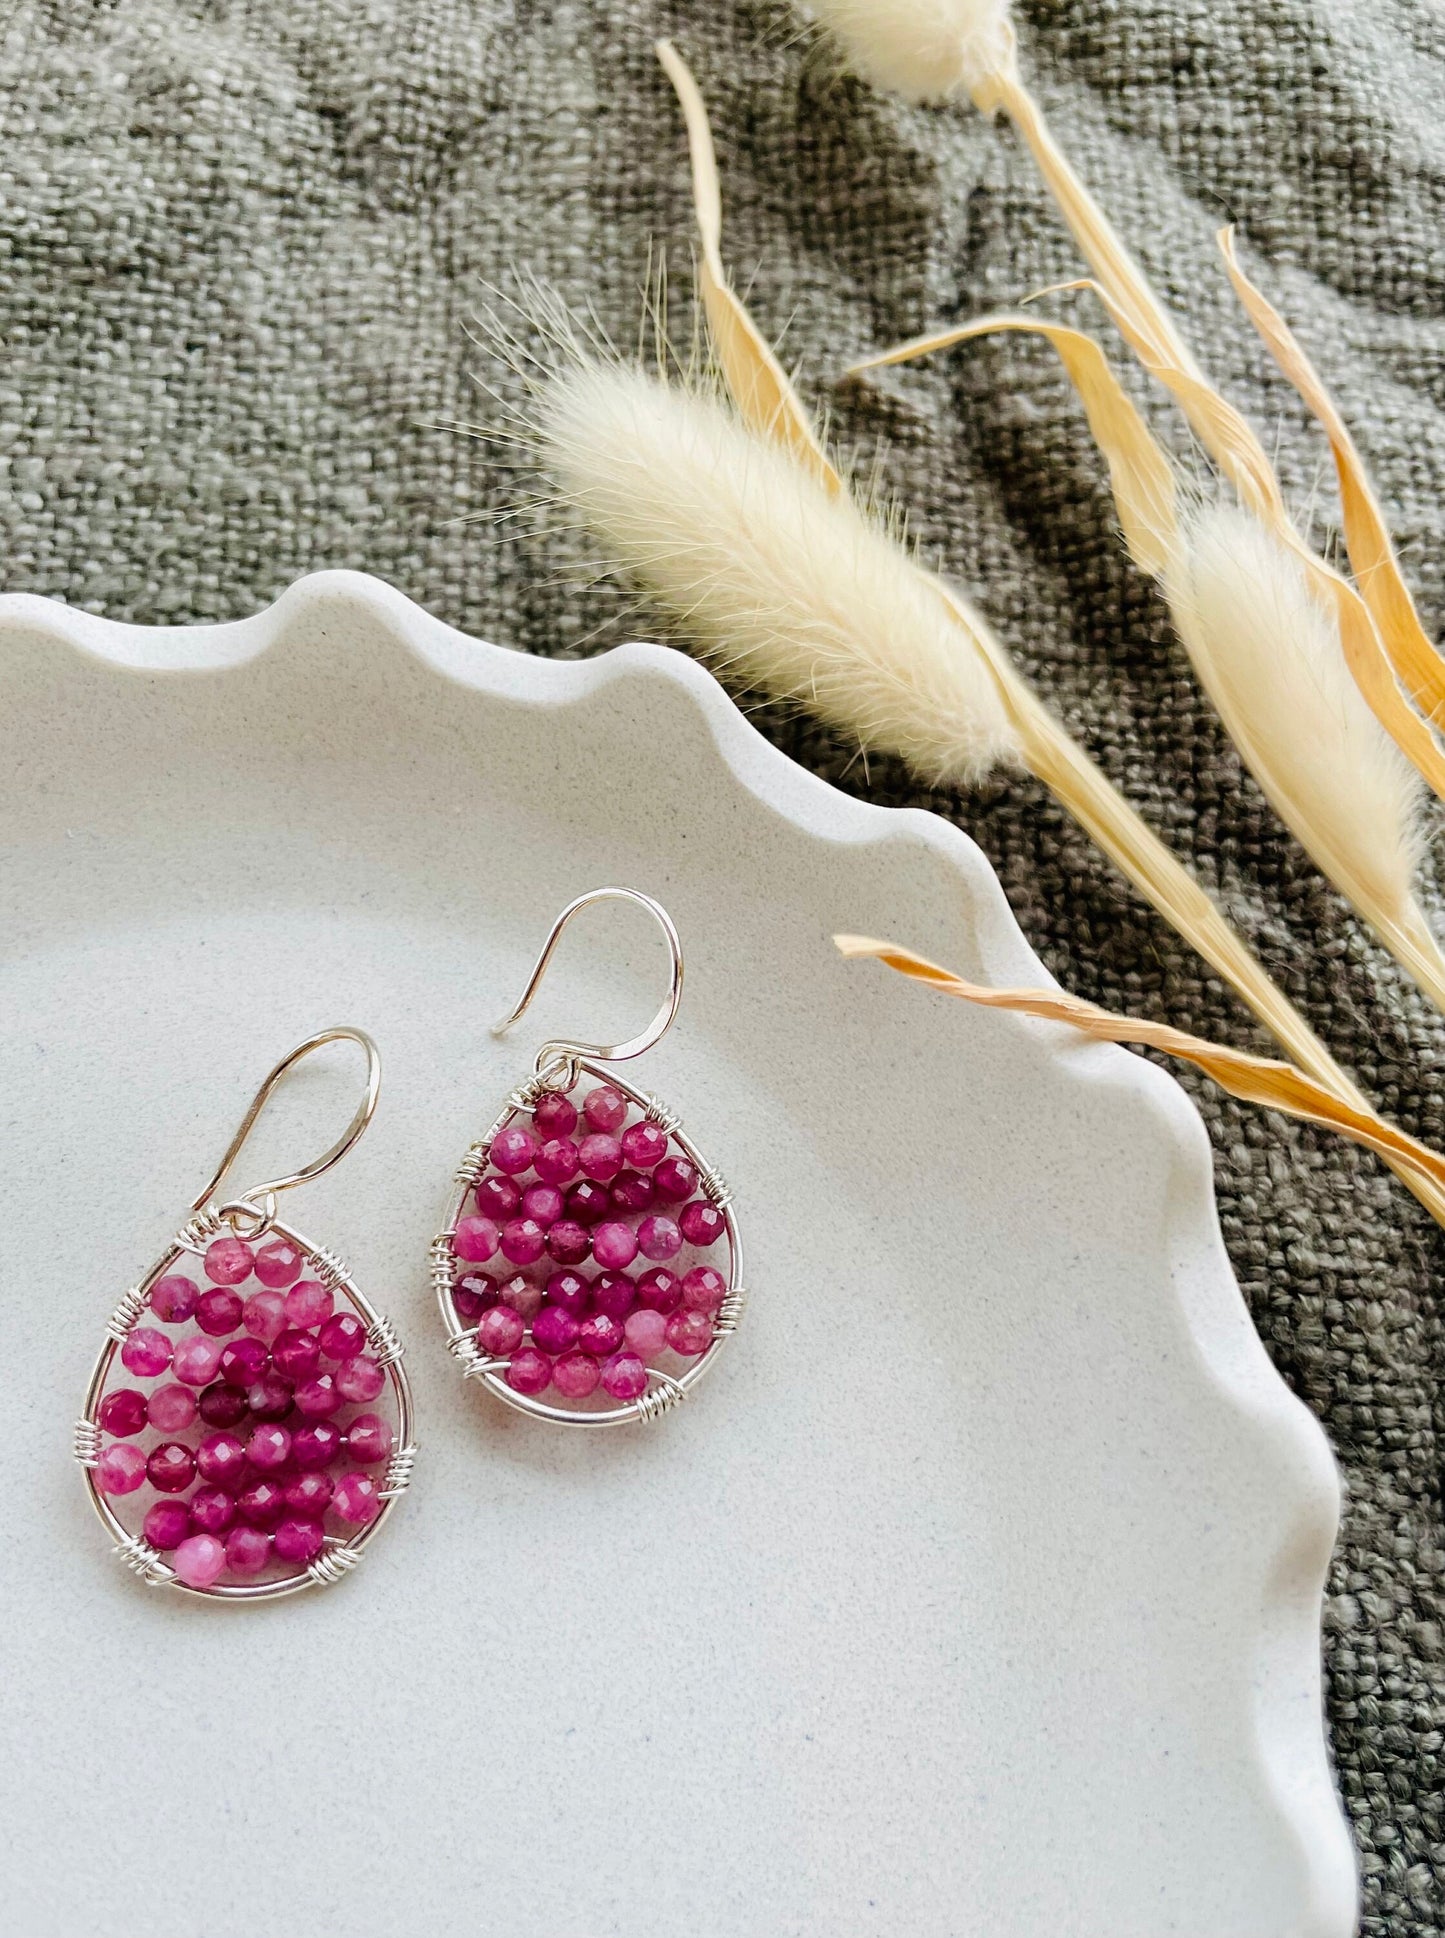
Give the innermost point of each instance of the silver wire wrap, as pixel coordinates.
(86, 1444)
(398, 1473)
(332, 1563)
(141, 1558)
(128, 1311)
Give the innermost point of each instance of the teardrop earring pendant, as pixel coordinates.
(590, 1269)
(247, 1427)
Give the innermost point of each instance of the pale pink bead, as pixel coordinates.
(614, 1245)
(599, 1334)
(199, 1560)
(542, 1203)
(476, 1240)
(369, 1439)
(171, 1408)
(689, 1333)
(624, 1376)
(269, 1447)
(309, 1304)
(499, 1331)
(605, 1109)
(229, 1260)
(514, 1149)
(558, 1161)
(701, 1224)
(646, 1332)
(575, 1375)
(554, 1115)
(521, 1295)
(120, 1469)
(601, 1156)
(703, 1289)
(675, 1180)
(146, 1352)
(356, 1500)
(644, 1145)
(529, 1371)
(278, 1264)
(359, 1380)
(554, 1330)
(659, 1238)
(298, 1538)
(196, 1359)
(523, 1241)
(173, 1298)
(264, 1315)
(247, 1550)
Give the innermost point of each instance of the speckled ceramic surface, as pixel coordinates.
(978, 1590)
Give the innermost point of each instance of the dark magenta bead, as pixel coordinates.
(555, 1114)
(630, 1191)
(173, 1298)
(262, 1503)
(554, 1330)
(472, 1295)
(171, 1467)
(568, 1243)
(221, 1460)
(675, 1180)
(244, 1361)
(315, 1398)
(270, 1397)
(247, 1550)
(298, 1538)
(599, 1335)
(644, 1145)
(588, 1201)
(309, 1493)
(702, 1224)
(212, 1509)
(221, 1405)
(124, 1412)
(659, 1290)
(542, 1203)
(614, 1293)
(218, 1311)
(315, 1445)
(166, 1525)
(343, 1336)
(498, 1198)
(570, 1291)
(297, 1354)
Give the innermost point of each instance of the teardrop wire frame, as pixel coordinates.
(339, 1556)
(664, 1390)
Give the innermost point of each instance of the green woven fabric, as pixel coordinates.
(242, 240)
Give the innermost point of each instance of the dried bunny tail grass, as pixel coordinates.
(1270, 658)
(784, 585)
(925, 50)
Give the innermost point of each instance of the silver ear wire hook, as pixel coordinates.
(264, 1195)
(564, 1055)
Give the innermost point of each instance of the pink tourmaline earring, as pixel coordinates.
(590, 1268)
(250, 1437)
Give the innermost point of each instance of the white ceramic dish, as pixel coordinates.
(977, 1591)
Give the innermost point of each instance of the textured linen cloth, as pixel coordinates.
(241, 242)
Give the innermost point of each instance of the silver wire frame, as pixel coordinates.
(339, 1556)
(665, 1390)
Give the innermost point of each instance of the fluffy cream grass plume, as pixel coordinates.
(794, 590)
(925, 50)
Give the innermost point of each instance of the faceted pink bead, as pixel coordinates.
(278, 1264)
(221, 1404)
(624, 1376)
(514, 1148)
(199, 1560)
(554, 1115)
(601, 1156)
(570, 1291)
(120, 1469)
(499, 1331)
(247, 1550)
(588, 1201)
(703, 1289)
(146, 1352)
(171, 1408)
(218, 1311)
(171, 1467)
(173, 1299)
(529, 1371)
(357, 1500)
(262, 1503)
(605, 1108)
(568, 1242)
(542, 1203)
(476, 1239)
(369, 1439)
(675, 1180)
(316, 1398)
(221, 1459)
(309, 1304)
(212, 1509)
(296, 1354)
(702, 1224)
(554, 1330)
(298, 1538)
(269, 1447)
(521, 1295)
(316, 1444)
(498, 1198)
(631, 1191)
(646, 1332)
(342, 1337)
(264, 1315)
(644, 1145)
(309, 1493)
(614, 1245)
(659, 1290)
(166, 1525)
(196, 1359)
(576, 1375)
(229, 1260)
(243, 1362)
(659, 1238)
(359, 1380)
(523, 1241)
(558, 1161)
(472, 1295)
(614, 1293)
(689, 1333)
(599, 1335)
(125, 1411)
(270, 1397)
